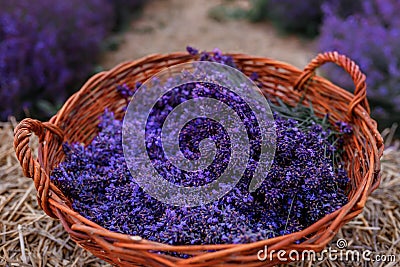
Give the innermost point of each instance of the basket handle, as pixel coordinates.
(30, 166)
(360, 92)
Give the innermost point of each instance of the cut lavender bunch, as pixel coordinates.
(300, 188)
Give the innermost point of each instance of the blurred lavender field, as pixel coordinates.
(49, 47)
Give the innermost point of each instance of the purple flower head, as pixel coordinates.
(215, 56)
(124, 91)
(192, 51)
(344, 127)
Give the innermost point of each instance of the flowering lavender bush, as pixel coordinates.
(306, 180)
(46, 48)
(302, 17)
(372, 38)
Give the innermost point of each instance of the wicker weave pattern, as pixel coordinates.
(78, 119)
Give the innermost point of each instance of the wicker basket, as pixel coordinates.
(77, 122)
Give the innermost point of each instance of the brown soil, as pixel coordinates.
(170, 25)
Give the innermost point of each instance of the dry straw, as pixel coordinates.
(77, 122)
